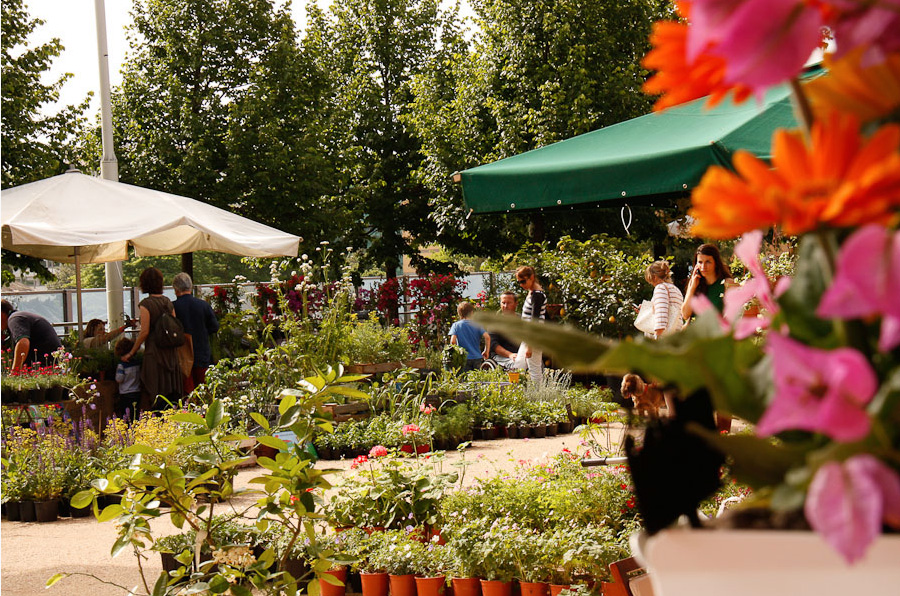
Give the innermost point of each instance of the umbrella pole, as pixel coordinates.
(78, 292)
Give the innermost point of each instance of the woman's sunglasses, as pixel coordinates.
(521, 282)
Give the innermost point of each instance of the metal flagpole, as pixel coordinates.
(109, 166)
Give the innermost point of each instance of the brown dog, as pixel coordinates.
(647, 397)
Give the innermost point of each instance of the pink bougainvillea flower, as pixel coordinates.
(747, 250)
(874, 26)
(847, 503)
(378, 451)
(867, 282)
(701, 304)
(410, 429)
(764, 42)
(821, 391)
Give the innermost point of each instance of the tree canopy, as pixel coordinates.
(34, 144)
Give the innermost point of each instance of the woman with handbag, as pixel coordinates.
(667, 299)
(160, 370)
(662, 315)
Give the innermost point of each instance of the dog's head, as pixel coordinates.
(632, 386)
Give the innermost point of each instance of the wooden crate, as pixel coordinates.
(383, 367)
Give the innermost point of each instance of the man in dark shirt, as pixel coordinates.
(503, 349)
(33, 337)
(199, 322)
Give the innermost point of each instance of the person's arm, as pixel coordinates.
(487, 345)
(104, 337)
(142, 335)
(453, 340)
(693, 284)
(23, 346)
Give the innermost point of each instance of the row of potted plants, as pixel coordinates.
(51, 460)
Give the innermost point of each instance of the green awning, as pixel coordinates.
(654, 156)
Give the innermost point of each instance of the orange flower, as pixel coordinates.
(870, 93)
(838, 179)
(676, 79)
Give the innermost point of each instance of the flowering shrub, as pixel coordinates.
(598, 281)
(434, 299)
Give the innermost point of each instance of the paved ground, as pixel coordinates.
(31, 553)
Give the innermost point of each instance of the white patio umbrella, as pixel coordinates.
(74, 218)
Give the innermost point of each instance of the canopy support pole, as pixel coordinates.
(78, 292)
(109, 167)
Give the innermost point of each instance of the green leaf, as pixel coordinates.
(575, 350)
(273, 442)
(110, 512)
(756, 461)
(808, 284)
(218, 585)
(189, 418)
(120, 543)
(214, 414)
(159, 588)
(239, 590)
(288, 401)
(260, 420)
(142, 449)
(55, 578)
(82, 499)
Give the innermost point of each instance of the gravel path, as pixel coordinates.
(31, 553)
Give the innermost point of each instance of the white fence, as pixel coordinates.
(60, 306)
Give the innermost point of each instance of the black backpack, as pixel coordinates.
(168, 332)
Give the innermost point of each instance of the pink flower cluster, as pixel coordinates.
(766, 42)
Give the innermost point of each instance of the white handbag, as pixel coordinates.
(644, 320)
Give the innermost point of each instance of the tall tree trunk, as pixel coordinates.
(187, 263)
(537, 228)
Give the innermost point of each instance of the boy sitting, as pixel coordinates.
(467, 334)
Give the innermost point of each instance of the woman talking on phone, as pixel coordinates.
(710, 277)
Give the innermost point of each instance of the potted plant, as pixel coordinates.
(398, 556)
(431, 570)
(497, 551)
(373, 576)
(532, 566)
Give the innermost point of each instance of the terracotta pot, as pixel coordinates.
(540, 431)
(46, 511)
(512, 431)
(402, 585)
(374, 584)
(565, 427)
(524, 431)
(466, 586)
(331, 590)
(431, 586)
(534, 588)
(552, 429)
(555, 589)
(496, 588)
